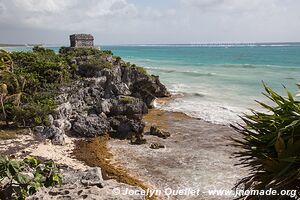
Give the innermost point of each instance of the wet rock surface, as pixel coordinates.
(159, 133)
(156, 146)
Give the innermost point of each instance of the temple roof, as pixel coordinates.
(82, 37)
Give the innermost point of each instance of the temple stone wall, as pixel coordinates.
(81, 40)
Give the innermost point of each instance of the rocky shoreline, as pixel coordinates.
(98, 135)
(105, 101)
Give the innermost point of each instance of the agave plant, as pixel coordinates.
(270, 146)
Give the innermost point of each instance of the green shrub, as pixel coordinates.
(6, 62)
(33, 113)
(49, 53)
(78, 52)
(271, 145)
(44, 64)
(107, 52)
(92, 66)
(27, 176)
(68, 53)
(118, 59)
(142, 70)
(127, 99)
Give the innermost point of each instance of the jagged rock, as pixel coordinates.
(149, 89)
(64, 110)
(91, 126)
(109, 58)
(90, 177)
(113, 75)
(131, 75)
(111, 100)
(62, 124)
(58, 139)
(130, 128)
(156, 146)
(92, 82)
(137, 140)
(55, 134)
(146, 96)
(143, 86)
(87, 185)
(38, 129)
(103, 106)
(47, 132)
(85, 70)
(50, 119)
(116, 121)
(93, 177)
(159, 133)
(115, 89)
(129, 106)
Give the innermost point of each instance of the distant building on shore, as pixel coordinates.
(82, 40)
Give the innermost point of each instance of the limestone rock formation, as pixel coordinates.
(106, 100)
(87, 185)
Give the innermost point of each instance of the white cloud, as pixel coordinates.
(233, 6)
(51, 6)
(144, 21)
(67, 14)
(2, 8)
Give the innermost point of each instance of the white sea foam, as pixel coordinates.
(214, 112)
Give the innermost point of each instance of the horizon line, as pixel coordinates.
(154, 44)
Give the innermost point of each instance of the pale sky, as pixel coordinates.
(150, 21)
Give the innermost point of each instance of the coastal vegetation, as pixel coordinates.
(30, 80)
(270, 146)
(25, 177)
(27, 87)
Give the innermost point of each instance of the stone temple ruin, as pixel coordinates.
(82, 40)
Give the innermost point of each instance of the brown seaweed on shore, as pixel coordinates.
(95, 153)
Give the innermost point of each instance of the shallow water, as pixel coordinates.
(197, 156)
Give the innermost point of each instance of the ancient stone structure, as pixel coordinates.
(82, 40)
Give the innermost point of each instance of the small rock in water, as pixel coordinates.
(137, 140)
(159, 133)
(157, 146)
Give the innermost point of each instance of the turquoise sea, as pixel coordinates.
(215, 82)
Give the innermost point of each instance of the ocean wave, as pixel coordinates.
(186, 72)
(213, 112)
(186, 94)
(251, 66)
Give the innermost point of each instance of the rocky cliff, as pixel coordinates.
(110, 97)
(82, 93)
